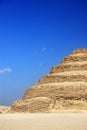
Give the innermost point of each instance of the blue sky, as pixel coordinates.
(34, 36)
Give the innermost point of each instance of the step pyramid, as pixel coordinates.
(64, 88)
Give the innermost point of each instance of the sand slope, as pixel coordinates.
(59, 121)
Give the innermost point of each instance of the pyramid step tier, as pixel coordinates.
(63, 77)
(69, 73)
(76, 90)
(80, 51)
(70, 67)
(75, 58)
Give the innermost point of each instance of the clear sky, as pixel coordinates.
(34, 36)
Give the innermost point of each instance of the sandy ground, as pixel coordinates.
(55, 121)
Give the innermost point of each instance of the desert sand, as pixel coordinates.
(45, 121)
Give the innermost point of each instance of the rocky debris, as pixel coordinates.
(65, 87)
(5, 109)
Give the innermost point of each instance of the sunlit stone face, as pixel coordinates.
(65, 87)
